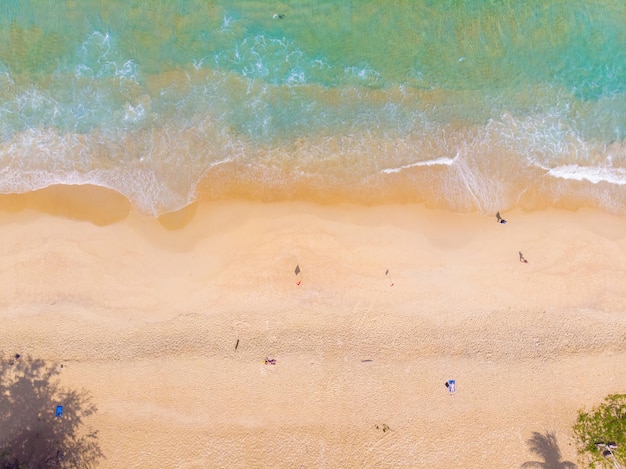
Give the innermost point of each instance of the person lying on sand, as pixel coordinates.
(269, 361)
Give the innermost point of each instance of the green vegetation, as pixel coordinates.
(601, 433)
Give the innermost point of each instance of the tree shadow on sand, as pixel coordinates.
(545, 446)
(31, 435)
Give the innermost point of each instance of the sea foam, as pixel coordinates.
(438, 161)
(594, 175)
(191, 99)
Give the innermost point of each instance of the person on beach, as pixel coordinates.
(499, 219)
(522, 258)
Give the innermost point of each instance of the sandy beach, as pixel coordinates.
(145, 315)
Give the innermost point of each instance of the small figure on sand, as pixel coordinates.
(389, 277)
(522, 258)
(499, 219)
(269, 361)
(11, 361)
(298, 275)
(451, 385)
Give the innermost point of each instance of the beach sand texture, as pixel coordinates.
(145, 316)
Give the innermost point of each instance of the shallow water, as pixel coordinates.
(466, 105)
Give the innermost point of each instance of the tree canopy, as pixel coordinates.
(601, 433)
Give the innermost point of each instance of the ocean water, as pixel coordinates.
(469, 105)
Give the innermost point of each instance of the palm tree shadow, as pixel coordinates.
(31, 435)
(546, 447)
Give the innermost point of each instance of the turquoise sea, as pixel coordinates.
(469, 105)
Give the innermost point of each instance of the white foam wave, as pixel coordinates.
(99, 58)
(277, 60)
(438, 161)
(592, 174)
(157, 171)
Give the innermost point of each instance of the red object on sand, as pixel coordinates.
(298, 283)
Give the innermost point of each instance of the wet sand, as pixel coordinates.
(145, 314)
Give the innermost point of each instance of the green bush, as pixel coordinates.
(605, 424)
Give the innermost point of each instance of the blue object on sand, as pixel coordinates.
(452, 386)
(59, 411)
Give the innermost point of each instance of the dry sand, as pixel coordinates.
(145, 315)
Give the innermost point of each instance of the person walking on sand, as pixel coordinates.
(522, 258)
(499, 219)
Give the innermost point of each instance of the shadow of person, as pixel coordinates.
(545, 446)
(31, 435)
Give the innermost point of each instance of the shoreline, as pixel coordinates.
(102, 205)
(145, 314)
